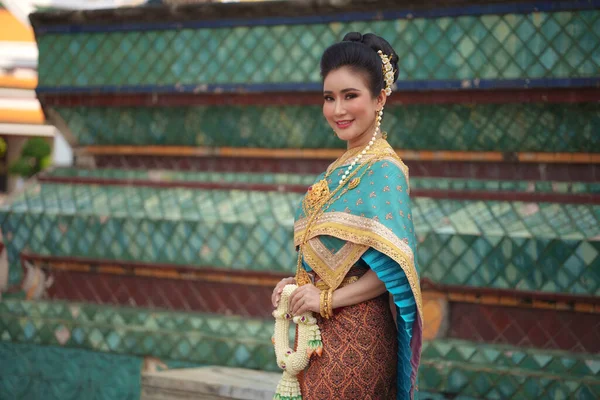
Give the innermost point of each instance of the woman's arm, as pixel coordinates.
(366, 288)
(306, 298)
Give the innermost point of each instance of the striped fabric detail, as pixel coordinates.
(406, 309)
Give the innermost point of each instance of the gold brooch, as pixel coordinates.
(316, 193)
(353, 183)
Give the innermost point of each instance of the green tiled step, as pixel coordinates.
(36, 372)
(192, 338)
(461, 242)
(51, 373)
(459, 127)
(507, 372)
(503, 262)
(229, 229)
(98, 205)
(197, 176)
(511, 46)
(307, 180)
(453, 366)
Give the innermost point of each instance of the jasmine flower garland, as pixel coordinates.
(309, 343)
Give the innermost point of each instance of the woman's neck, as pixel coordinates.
(363, 139)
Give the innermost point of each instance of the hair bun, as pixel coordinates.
(378, 43)
(353, 37)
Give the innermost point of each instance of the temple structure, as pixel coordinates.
(197, 128)
(21, 115)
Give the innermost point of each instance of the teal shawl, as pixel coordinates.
(368, 219)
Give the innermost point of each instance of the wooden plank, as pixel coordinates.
(331, 154)
(210, 383)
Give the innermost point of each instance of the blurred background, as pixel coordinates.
(152, 155)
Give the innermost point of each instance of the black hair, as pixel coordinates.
(359, 53)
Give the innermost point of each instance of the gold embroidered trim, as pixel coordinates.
(405, 263)
(370, 233)
(354, 221)
(321, 285)
(379, 148)
(299, 226)
(333, 260)
(332, 268)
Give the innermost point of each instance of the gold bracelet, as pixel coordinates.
(326, 306)
(322, 305)
(330, 303)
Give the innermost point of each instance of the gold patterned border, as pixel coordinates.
(299, 226)
(333, 259)
(367, 226)
(370, 233)
(332, 268)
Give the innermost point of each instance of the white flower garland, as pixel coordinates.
(309, 342)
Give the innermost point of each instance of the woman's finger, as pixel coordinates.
(299, 300)
(303, 308)
(278, 290)
(298, 305)
(294, 299)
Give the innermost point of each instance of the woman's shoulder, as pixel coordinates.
(388, 158)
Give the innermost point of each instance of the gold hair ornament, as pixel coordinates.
(388, 72)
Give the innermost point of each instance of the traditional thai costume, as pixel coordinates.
(342, 230)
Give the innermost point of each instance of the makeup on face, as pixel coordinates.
(349, 106)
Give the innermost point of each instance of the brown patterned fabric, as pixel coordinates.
(359, 355)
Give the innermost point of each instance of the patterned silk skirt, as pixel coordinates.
(359, 355)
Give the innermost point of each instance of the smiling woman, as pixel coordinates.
(356, 243)
(350, 110)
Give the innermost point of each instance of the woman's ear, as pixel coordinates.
(381, 99)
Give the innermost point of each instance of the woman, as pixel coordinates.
(355, 240)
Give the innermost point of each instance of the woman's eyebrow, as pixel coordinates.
(343, 91)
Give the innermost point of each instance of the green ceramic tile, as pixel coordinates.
(461, 242)
(488, 373)
(170, 338)
(37, 372)
(481, 127)
(538, 45)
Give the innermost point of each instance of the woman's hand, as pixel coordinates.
(279, 288)
(305, 298)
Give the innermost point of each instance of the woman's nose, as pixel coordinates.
(339, 108)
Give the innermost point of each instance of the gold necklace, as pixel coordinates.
(320, 190)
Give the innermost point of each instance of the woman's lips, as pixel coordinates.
(344, 124)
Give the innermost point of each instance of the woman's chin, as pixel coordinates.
(345, 136)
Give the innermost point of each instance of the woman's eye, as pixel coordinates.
(350, 96)
(328, 98)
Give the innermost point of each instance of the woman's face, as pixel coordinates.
(349, 106)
